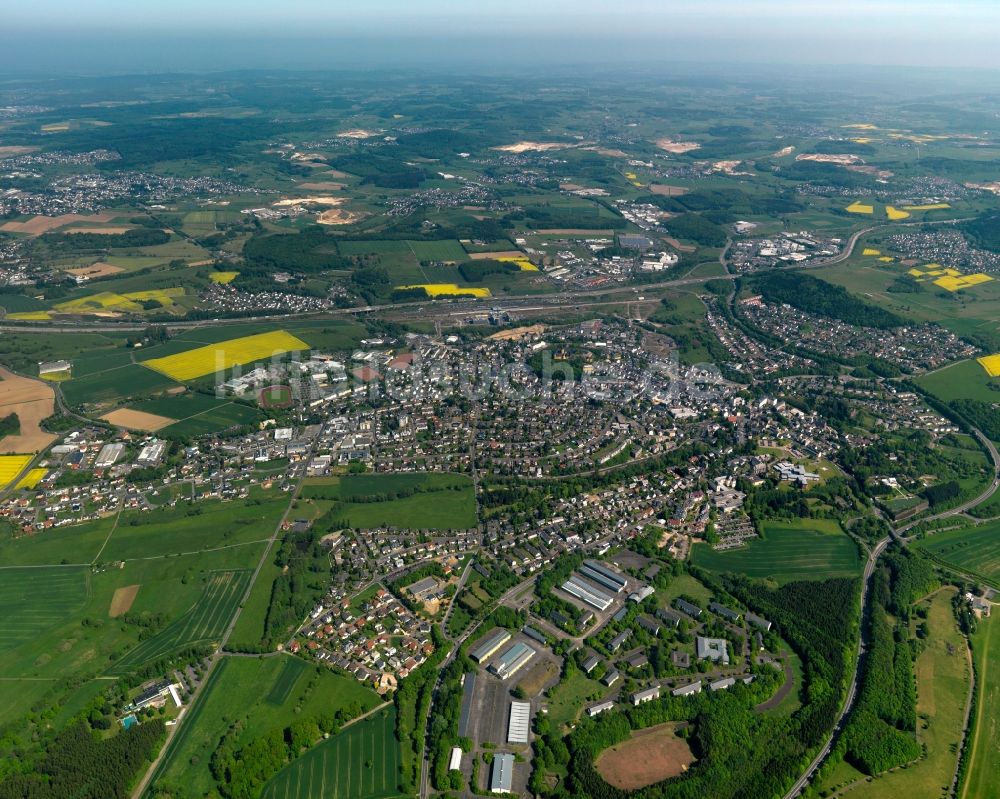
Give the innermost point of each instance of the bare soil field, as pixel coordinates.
(32, 400)
(533, 146)
(137, 420)
(678, 246)
(122, 601)
(99, 269)
(667, 191)
(309, 201)
(338, 217)
(322, 186)
(486, 256)
(336, 173)
(357, 133)
(677, 147)
(11, 151)
(536, 680)
(43, 224)
(605, 151)
(648, 757)
(517, 333)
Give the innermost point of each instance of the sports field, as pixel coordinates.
(206, 621)
(984, 754)
(809, 549)
(647, 757)
(225, 355)
(975, 549)
(362, 762)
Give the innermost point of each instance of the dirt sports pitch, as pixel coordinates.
(648, 757)
(32, 401)
(137, 420)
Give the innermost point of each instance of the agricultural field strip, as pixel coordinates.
(202, 361)
(203, 621)
(62, 595)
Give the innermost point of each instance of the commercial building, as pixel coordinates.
(511, 661)
(488, 646)
(109, 455)
(502, 774)
(520, 722)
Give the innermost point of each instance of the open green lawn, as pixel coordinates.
(984, 754)
(362, 762)
(807, 549)
(197, 414)
(568, 698)
(78, 543)
(189, 528)
(964, 380)
(415, 501)
(249, 630)
(973, 549)
(265, 693)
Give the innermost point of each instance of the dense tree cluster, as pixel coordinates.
(819, 297)
(77, 763)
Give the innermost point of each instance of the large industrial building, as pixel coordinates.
(602, 575)
(520, 722)
(511, 661)
(594, 597)
(488, 646)
(502, 775)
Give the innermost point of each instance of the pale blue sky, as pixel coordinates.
(904, 32)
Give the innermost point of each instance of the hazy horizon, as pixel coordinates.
(114, 36)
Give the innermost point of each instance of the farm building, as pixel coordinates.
(53, 367)
(489, 645)
(502, 774)
(520, 722)
(574, 586)
(646, 695)
(511, 661)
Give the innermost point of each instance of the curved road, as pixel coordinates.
(873, 557)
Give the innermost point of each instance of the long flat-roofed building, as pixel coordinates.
(511, 661)
(602, 575)
(502, 774)
(488, 646)
(594, 597)
(520, 721)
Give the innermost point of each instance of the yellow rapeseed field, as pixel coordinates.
(30, 316)
(32, 478)
(163, 296)
(928, 207)
(223, 277)
(205, 360)
(991, 363)
(446, 289)
(871, 251)
(11, 466)
(894, 214)
(102, 301)
(952, 283)
(523, 263)
(860, 208)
